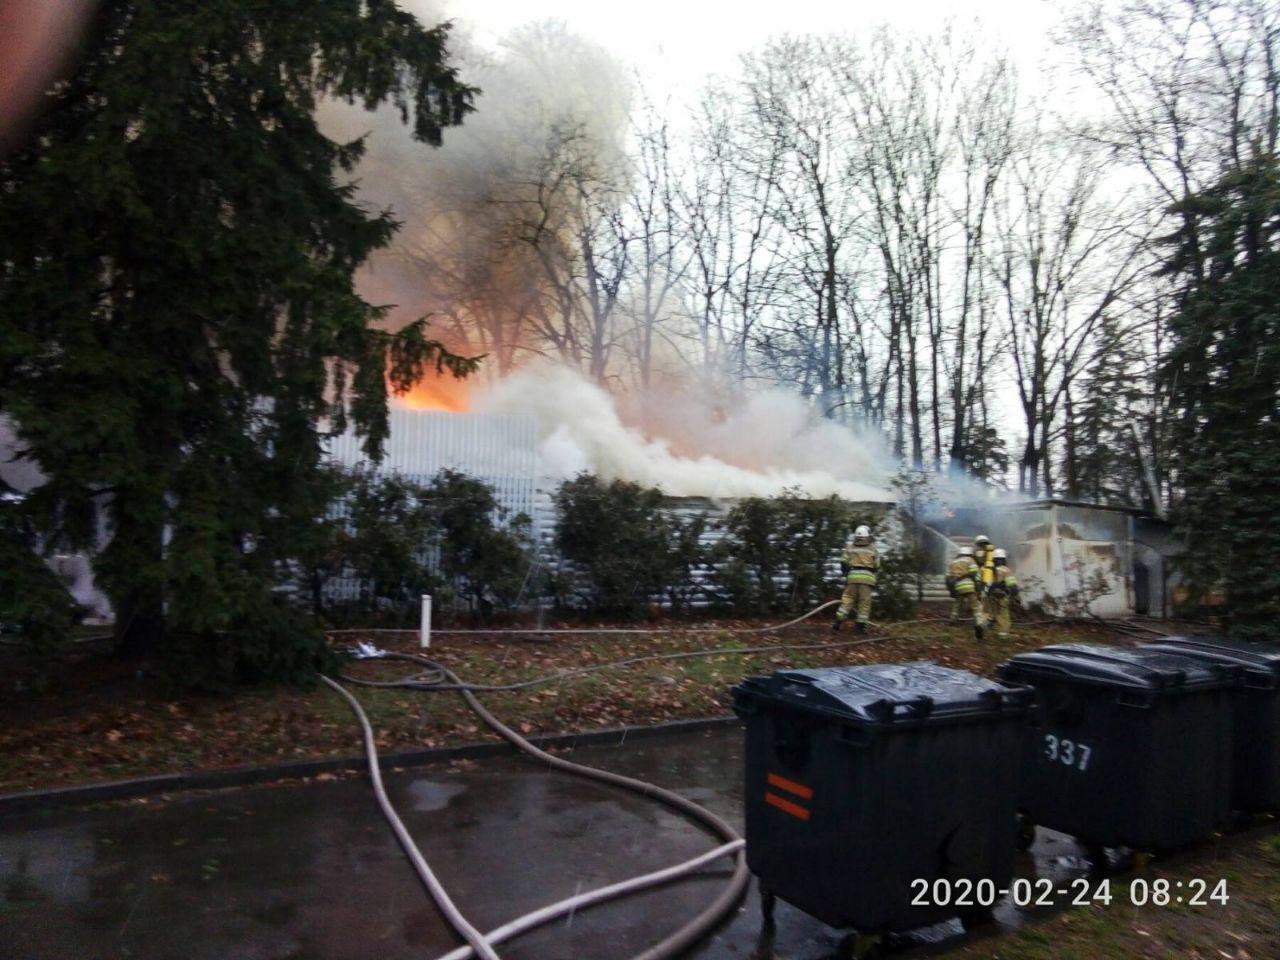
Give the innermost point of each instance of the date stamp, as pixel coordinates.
(1082, 891)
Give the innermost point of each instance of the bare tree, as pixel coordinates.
(983, 130)
(728, 204)
(659, 260)
(802, 137)
(1066, 256)
(1194, 91)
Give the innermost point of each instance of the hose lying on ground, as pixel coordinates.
(481, 945)
(437, 681)
(771, 628)
(593, 630)
(670, 947)
(612, 892)
(433, 885)
(439, 678)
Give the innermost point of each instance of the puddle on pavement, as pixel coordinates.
(428, 795)
(313, 873)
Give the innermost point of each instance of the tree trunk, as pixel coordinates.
(130, 571)
(1071, 465)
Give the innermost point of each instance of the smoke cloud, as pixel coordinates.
(771, 442)
(555, 107)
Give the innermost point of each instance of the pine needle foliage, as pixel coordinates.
(178, 318)
(1223, 374)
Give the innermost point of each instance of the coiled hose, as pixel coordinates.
(440, 678)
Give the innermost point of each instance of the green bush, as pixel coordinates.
(486, 560)
(268, 640)
(777, 553)
(896, 586)
(625, 550)
(381, 544)
(35, 608)
(687, 555)
(400, 539)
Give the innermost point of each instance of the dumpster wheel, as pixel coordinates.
(768, 904)
(1026, 833)
(977, 918)
(859, 946)
(1099, 861)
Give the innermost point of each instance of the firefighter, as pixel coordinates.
(964, 583)
(859, 566)
(1003, 593)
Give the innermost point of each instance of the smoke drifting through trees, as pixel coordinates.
(887, 227)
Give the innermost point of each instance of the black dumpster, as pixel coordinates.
(1255, 752)
(861, 780)
(1126, 746)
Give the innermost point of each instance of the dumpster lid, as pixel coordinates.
(1261, 661)
(888, 692)
(1119, 667)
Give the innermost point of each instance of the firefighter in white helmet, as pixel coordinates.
(859, 565)
(1003, 592)
(964, 583)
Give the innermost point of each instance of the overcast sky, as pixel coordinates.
(677, 43)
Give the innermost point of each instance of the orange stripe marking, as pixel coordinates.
(799, 789)
(786, 806)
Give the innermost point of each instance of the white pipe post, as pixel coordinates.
(424, 630)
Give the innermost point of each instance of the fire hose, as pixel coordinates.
(540, 631)
(437, 677)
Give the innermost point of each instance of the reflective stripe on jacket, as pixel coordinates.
(863, 563)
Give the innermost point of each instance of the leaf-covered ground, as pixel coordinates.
(98, 721)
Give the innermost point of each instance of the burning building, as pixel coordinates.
(530, 431)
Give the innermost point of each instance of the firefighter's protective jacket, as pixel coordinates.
(1003, 582)
(962, 576)
(861, 562)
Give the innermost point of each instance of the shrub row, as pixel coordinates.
(627, 551)
(623, 552)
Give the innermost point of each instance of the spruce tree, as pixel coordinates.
(1101, 462)
(178, 239)
(1223, 376)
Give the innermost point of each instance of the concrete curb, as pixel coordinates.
(298, 769)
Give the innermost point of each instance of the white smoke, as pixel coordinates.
(770, 443)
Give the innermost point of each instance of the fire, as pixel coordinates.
(436, 393)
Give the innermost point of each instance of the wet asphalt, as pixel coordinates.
(312, 872)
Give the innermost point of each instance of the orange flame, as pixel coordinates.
(437, 393)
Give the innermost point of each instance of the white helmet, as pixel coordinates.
(863, 532)
(965, 551)
(981, 539)
(1001, 554)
